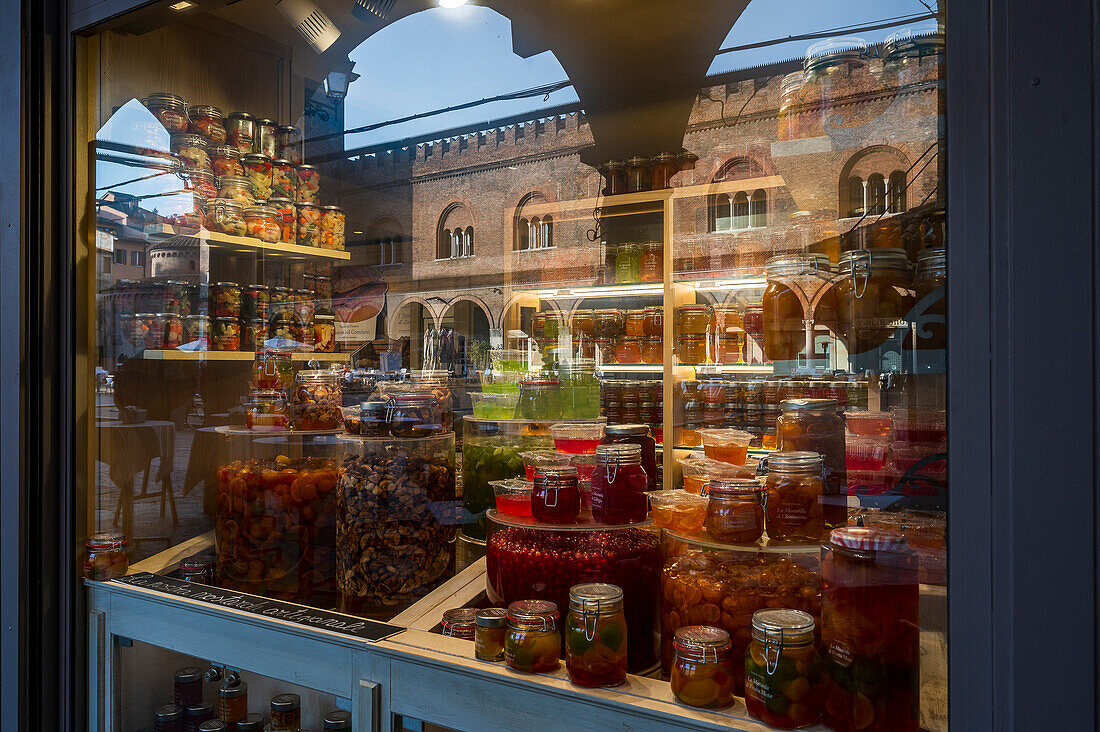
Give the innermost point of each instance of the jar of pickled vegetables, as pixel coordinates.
(240, 128)
(236, 189)
(930, 311)
(309, 224)
(532, 643)
(869, 679)
(813, 425)
(639, 174)
(619, 484)
(653, 322)
(735, 510)
(225, 300)
(284, 179)
(105, 556)
(873, 298)
(263, 140)
(257, 169)
(262, 223)
(196, 328)
(628, 263)
(692, 349)
(540, 399)
(665, 165)
(653, 349)
(490, 627)
(203, 187)
(780, 669)
(702, 670)
(173, 330)
(614, 172)
(608, 323)
(288, 143)
(459, 622)
(225, 216)
(694, 320)
(170, 110)
(596, 635)
(315, 402)
(226, 335)
(556, 496)
(636, 434)
(652, 262)
(793, 512)
(332, 228)
(309, 184)
(232, 699)
(286, 218)
(206, 120)
(267, 411)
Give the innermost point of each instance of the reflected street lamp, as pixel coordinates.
(338, 80)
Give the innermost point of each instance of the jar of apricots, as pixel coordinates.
(780, 673)
(702, 672)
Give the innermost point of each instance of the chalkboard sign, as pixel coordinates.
(370, 630)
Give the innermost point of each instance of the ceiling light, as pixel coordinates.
(183, 5)
(451, 3)
(311, 22)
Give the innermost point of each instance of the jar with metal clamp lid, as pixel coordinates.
(779, 669)
(783, 314)
(595, 635)
(793, 512)
(702, 671)
(873, 297)
(459, 622)
(532, 644)
(735, 510)
(556, 497)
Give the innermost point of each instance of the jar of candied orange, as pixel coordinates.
(628, 350)
(813, 425)
(653, 324)
(702, 672)
(873, 297)
(793, 511)
(583, 323)
(779, 667)
(735, 511)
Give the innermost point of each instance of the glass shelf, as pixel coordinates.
(586, 523)
(151, 354)
(764, 546)
(217, 240)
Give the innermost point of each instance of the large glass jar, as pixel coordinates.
(415, 414)
(236, 189)
(392, 548)
(105, 556)
(665, 165)
(556, 497)
(532, 643)
(614, 172)
(257, 169)
(286, 713)
(639, 174)
(261, 223)
(288, 143)
(628, 263)
(240, 127)
(702, 672)
(735, 510)
(225, 334)
(206, 120)
(170, 110)
(870, 631)
(267, 411)
(636, 434)
(813, 425)
(628, 350)
(226, 160)
(284, 179)
(619, 484)
(580, 390)
(781, 670)
(793, 512)
(608, 323)
(173, 330)
(653, 322)
(191, 151)
(784, 321)
(309, 184)
(930, 312)
(595, 635)
(225, 216)
(315, 401)
(491, 451)
(632, 323)
(309, 224)
(790, 90)
(651, 265)
(264, 139)
(332, 228)
(540, 399)
(834, 70)
(255, 301)
(694, 320)
(873, 298)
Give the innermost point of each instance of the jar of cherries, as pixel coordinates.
(556, 497)
(619, 484)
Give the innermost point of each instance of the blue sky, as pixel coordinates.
(442, 57)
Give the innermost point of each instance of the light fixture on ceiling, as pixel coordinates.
(316, 27)
(339, 79)
(451, 3)
(371, 9)
(182, 5)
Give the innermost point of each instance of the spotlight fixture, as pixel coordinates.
(316, 27)
(365, 9)
(182, 5)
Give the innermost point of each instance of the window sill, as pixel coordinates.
(540, 249)
(454, 259)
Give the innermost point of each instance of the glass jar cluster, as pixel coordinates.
(626, 401)
(642, 173)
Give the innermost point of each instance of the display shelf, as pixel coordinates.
(230, 430)
(586, 523)
(719, 284)
(764, 546)
(151, 354)
(634, 289)
(631, 368)
(232, 243)
(729, 368)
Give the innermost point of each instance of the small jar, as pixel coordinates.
(779, 668)
(556, 497)
(583, 323)
(261, 223)
(694, 320)
(614, 412)
(632, 323)
(267, 411)
(315, 402)
(226, 335)
(284, 179)
(206, 120)
(232, 699)
(665, 165)
(652, 262)
(225, 216)
(309, 184)
(595, 635)
(173, 330)
(638, 174)
(336, 721)
(714, 416)
(614, 172)
(252, 722)
(169, 718)
(225, 300)
(187, 686)
(309, 224)
(196, 714)
(735, 414)
(225, 160)
(237, 189)
(653, 324)
(702, 670)
(288, 143)
(105, 557)
(286, 713)
(693, 411)
(324, 332)
(170, 110)
(689, 390)
(532, 643)
(257, 169)
(240, 128)
(754, 320)
(653, 349)
(619, 484)
(793, 509)
(264, 138)
(692, 349)
(628, 263)
(735, 511)
(203, 186)
(272, 370)
(200, 570)
(490, 627)
(332, 228)
(713, 391)
(689, 434)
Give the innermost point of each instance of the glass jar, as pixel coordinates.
(240, 128)
(735, 510)
(580, 396)
(540, 399)
(653, 322)
(780, 669)
(689, 433)
(930, 310)
(286, 219)
(614, 172)
(216, 725)
(170, 110)
(288, 144)
(532, 643)
(628, 263)
(694, 320)
(583, 323)
(832, 69)
(792, 507)
(263, 140)
(608, 323)
(226, 335)
(206, 120)
(653, 349)
(714, 416)
(702, 670)
(324, 332)
(225, 160)
(255, 301)
(173, 330)
(784, 321)
(639, 174)
(813, 425)
(754, 320)
(232, 699)
(689, 390)
(309, 184)
(790, 90)
(628, 350)
(169, 718)
(309, 224)
(870, 631)
(459, 622)
(665, 165)
(652, 262)
(556, 497)
(196, 328)
(614, 412)
(753, 416)
(261, 223)
(337, 720)
(200, 570)
(873, 298)
(692, 349)
(272, 370)
(729, 335)
(315, 402)
(632, 323)
(284, 179)
(236, 189)
(105, 557)
(286, 713)
(203, 187)
(257, 169)
(225, 216)
(596, 635)
(225, 300)
(636, 434)
(324, 287)
(196, 714)
(332, 228)
(416, 414)
(252, 722)
(712, 391)
(267, 411)
(619, 484)
(735, 414)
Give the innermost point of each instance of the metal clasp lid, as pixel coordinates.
(861, 267)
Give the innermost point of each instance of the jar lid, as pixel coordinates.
(782, 626)
(337, 720)
(734, 488)
(226, 284)
(242, 115)
(867, 538)
(204, 176)
(791, 81)
(194, 564)
(694, 308)
(580, 366)
(233, 181)
(635, 314)
(204, 110)
(267, 122)
(637, 160)
(169, 713)
(203, 709)
(315, 375)
(255, 157)
(627, 430)
(189, 139)
(279, 202)
(666, 157)
(795, 461)
(164, 99)
(337, 208)
(216, 725)
(873, 258)
(599, 598)
(225, 151)
(188, 674)
(167, 315)
(230, 690)
(288, 129)
(267, 394)
(538, 613)
(307, 204)
(932, 258)
(554, 473)
(607, 312)
(619, 453)
(834, 51)
(919, 40)
(282, 163)
(324, 316)
(264, 211)
(491, 617)
(326, 278)
(808, 405)
(796, 264)
(107, 539)
(307, 167)
(252, 722)
(285, 702)
(540, 382)
(613, 164)
(458, 617)
(701, 642)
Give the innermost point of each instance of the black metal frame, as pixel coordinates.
(1022, 391)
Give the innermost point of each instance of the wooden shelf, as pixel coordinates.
(174, 355)
(230, 243)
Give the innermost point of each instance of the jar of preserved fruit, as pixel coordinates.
(490, 627)
(288, 144)
(753, 415)
(653, 349)
(639, 174)
(813, 425)
(693, 411)
(169, 718)
(532, 643)
(689, 390)
(191, 151)
(653, 322)
(583, 323)
(206, 120)
(790, 90)
(226, 160)
(631, 412)
(628, 263)
(315, 402)
(784, 321)
(263, 140)
(332, 228)
(692, 349)
(267, 411)
(257, 169)
(170, 110)
(236, 189)
(197, 569)
(196, 328)
(556, 497)
(628, 350)
(262, 223)
(336, 721)
(712, 391)
(286, 713)
(324, 332)
(870, 637)
(416, 414)
(225, 300)
(652, 262)
(309, 224)
(636, 434)
(226, 335)
(105, 556)
(540, 399)
(729, 335)
(614, 173)
(459, 622)
(689, 433)
(240, 128)
(309, 184)
(619, 484)
(632, 323)
(608, 323)
(694, 320)
(702, 670)
(735, 511)
(665, 165)
(793, 511)
(596, 635)
(873, 298)
(734, 413)
(284, 179)
(614, 412)
(754, 320)
(930, 311)
(232, 699)
(780, 669)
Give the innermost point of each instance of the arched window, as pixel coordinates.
(455, 235)
(547, 225)
(855, 205)
(534, 229)
(722, 213)
(468, 244)
(523, 235)
(876, 194)
(727, 211)
(740, 210)
(873, 182)
(895, 192)
(386, 236)
(758, 209)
